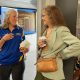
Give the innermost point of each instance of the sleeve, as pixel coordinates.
(73, 48)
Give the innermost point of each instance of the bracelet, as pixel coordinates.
(3, 40)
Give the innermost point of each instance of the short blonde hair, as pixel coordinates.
(6, 18)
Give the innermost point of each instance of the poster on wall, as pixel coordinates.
(26, 19)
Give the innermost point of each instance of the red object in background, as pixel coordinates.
(76, 75)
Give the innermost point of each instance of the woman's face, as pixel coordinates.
(13, 18)
(45, 18)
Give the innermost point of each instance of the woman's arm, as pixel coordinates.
(5, 38)
(2, 41)
(73, 48)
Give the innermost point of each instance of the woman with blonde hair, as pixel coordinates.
(59, 42)
(11, 57)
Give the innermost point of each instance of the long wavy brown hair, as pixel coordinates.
(55, 15)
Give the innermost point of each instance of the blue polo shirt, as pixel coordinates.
(10, 52)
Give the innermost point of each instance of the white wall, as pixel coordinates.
(30, 68)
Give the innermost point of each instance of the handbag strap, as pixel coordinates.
(40, 53)
(40, 50)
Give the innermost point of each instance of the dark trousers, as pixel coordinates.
(39, 76)
(68, 66)
(16, 70)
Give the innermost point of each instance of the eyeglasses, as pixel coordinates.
(43, 15)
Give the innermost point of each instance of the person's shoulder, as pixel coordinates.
(63, 28)
(1, 28)
(19, 27)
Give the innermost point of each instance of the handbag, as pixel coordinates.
(47, 65)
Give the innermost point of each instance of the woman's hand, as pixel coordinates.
(41, 44)
(8, 36)
(24, 50)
